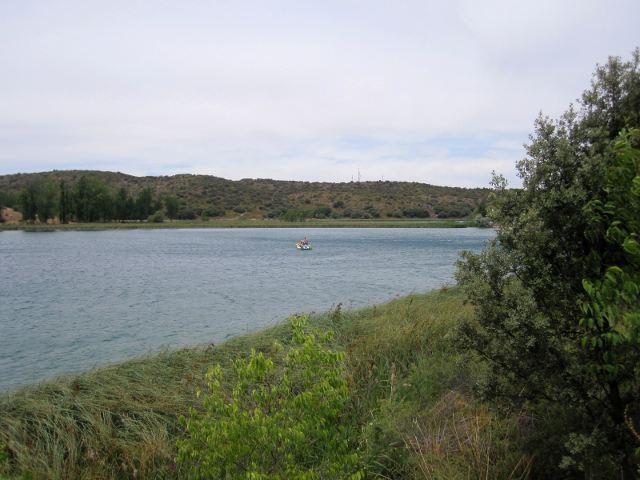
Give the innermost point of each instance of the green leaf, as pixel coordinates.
(631, 246)
(635, 186)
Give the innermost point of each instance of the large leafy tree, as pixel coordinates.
(535, 318)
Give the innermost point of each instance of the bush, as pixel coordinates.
(481, 221)
(295, 215)
(214, 212)
(452, 211)
(416, 212)
(322, 212)
(157, 217)
(372, 211)
(187, 213)
(275, 213)
(289, 422)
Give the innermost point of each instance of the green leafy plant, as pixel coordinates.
(275, 422)
(611, 308)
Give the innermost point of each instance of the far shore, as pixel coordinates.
(250, 223)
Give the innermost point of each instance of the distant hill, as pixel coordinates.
(260, 198)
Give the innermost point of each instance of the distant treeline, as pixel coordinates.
(85, 196)
(88, 200)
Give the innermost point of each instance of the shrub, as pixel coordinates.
(187, 213)
(157, 217)
(322, 212)
(416, 212)
(481, 221)
(290, 422)
(455, 210)
(295, 215)
(214, 212)
(275, 213)
(372, 211)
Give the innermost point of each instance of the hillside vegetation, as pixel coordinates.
(99, 196)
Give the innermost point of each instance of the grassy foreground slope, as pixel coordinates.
(411, 392)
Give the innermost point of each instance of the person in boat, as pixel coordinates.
(304, 243)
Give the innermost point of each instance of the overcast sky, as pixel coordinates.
(437, 92)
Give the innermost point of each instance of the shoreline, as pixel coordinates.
(246, 223)
(123, 420)
(273, 331)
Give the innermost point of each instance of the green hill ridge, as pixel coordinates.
(208, 196)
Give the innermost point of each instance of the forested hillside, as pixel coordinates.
(99, 196)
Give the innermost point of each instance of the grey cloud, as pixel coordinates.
(248, 89)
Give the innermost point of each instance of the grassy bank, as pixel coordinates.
(252, 223)
(411, 394)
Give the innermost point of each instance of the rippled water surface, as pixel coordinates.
(75, 300)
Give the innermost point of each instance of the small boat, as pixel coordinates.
(303, 245)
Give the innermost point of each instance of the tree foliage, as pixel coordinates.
(612, 306)
(555, 292)
(87, 199)
(93, 201)
(295, 215)
(64, 202)
(288, 423)
(38, 200)
(171, 206)
(8, 199)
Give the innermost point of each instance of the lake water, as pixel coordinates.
(75, 300)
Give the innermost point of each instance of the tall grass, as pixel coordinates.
(414, 394)
(111, 423)
(114, 422)
(457, 438)
(411, 393)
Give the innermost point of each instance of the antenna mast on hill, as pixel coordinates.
(358, 175)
